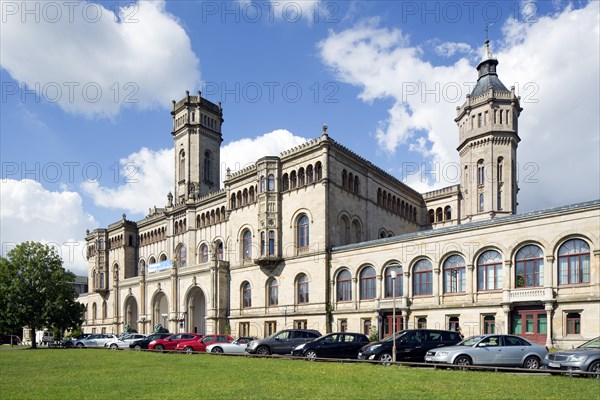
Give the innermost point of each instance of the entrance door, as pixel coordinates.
(387, 324)
(530, 324)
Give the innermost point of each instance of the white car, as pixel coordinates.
(124, 341)
(95, 340)
(238, 346)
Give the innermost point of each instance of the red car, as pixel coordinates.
(199, 344)
(169, 343)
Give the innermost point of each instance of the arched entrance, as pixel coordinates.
(131, 313)
(196, 311)
(160, 311)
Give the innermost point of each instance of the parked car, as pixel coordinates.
(282, 342)
(497, 350)
(95, 340)
(238, 346)
(583, 358)
(143, 343)
(124, 341)
(71, 342)
(170, 342)
(199, 345)
(333, 345)
(411, 345)
(10, 339)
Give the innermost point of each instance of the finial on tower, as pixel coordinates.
(325, 131)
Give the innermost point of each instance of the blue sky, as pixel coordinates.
(87, 90)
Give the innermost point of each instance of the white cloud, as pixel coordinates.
(78, 56)
(448, 49)
(148, 177)
(555, 71)
(29, 212)
(151, 173)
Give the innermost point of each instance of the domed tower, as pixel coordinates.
(488, 131)
(197, 142)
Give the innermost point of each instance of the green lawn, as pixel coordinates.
(105, 374)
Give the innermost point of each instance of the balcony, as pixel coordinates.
(528, 294)
(267, 261)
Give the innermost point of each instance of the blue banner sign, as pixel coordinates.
(160, 266)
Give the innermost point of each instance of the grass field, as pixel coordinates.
(105, 374)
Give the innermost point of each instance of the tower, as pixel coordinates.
(197, 142)
(488, 139)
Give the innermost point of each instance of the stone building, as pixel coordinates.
(310, 238)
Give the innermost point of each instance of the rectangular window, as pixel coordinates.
(481, 203)
(479, 120)
(422, 323)
(529, 324)
(103, 331)
(541, 323)
(573, 324)
(367, 326)
(300, 324)
(244, 328)
(270, 327)
(489, 324)
(343, 325)
(485, 118)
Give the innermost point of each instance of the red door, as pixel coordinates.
(387, 324)
(530, 324)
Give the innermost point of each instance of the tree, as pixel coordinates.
(36, 291)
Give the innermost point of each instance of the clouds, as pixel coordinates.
(94, 61)
(30, 212)
(150, 173)
(559, 97)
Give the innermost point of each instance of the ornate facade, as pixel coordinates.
(309, 239)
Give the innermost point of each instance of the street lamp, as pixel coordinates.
(393, 275)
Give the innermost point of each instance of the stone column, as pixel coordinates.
(549, 308)
(406, 286)
(471, 283)
(436, 285)
(355, 293)
(506, 312)
(549, 272)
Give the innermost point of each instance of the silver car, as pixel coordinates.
(584, 358)
(95, 340)
(124, 341)
(238, 346)
(494, 350)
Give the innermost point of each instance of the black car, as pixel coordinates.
(411, 345)
(282, 342)
(333, 345)
(143, 343)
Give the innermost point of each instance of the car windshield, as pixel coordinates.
(398, 336)
(592, 344)
(471, 341)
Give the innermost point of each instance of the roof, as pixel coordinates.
(488, 81)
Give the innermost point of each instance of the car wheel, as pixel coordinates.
(531, 363)
(263, 351)
(137, 347)
(310, 355)
(595, 367)
(188, 350)
(159, 347)
(463, 360)
(385, 358)
(80, 345)
(216, 350)
(113, 346)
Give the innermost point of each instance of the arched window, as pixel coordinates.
(431, 215)
(207, 166)
(379, 196)
(344, 286)
(151, 260)
(251, 194)
(262, 184)
(233, 203)
(272, 292)
(285, 182)
(499, 169)
(271, 183)
(344, 230)
(247, 245)
(318, 171)
(574, 262)
(481, 203)
(244, 197)
(302, 288)
(454, 274)
(271, 243)
(480, 173)
(182, 256)
(438, 215)
(293, 180)
(350, 181)
(310, 177)
(203, 253)
(303, 232)
(447, 213)
(489, 271)
(263, 244)
(181, 165)
(344, 179)
(163, 257)
(94, 311)
(423, 278)
(356, 231)
(219, 249)
(368, 284)
(141, 268)
(356, 185)
(389, 284)
(104, 310)
(246, 295)
(529, 270)
(301, 177)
